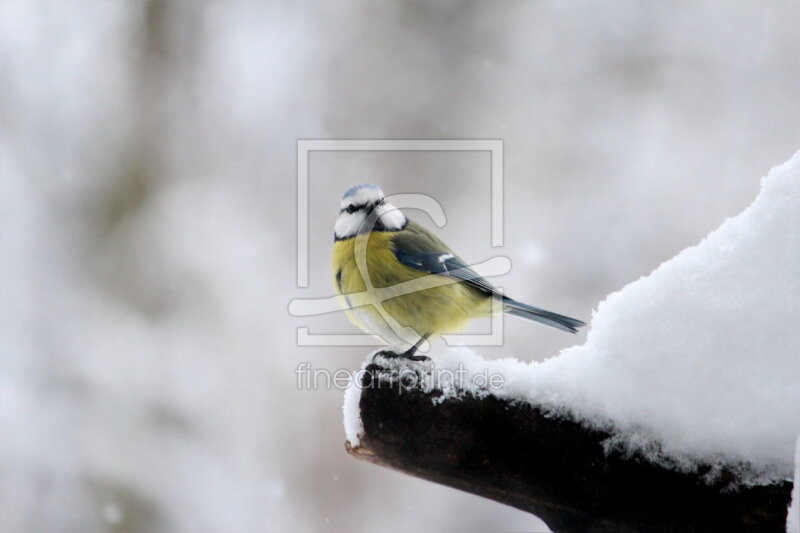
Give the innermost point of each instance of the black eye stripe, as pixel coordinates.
(359, 207)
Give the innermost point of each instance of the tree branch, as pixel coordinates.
(556, 469)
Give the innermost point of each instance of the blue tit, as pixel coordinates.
(398, 281)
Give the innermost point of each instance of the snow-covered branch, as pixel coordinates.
(553, 467)
(680, 412)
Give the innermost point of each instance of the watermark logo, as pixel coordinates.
(495, 266)
(405, 378)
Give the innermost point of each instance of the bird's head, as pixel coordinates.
(358, 203)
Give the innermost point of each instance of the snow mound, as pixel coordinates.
(696, 363)
(703, 355)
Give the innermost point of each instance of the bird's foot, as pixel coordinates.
(412, 357)
(408, 355)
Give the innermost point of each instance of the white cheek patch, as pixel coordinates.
(391, 217)
(348, 224)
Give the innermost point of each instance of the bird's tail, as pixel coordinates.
(564, 323)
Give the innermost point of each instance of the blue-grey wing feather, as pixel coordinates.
(419, 249)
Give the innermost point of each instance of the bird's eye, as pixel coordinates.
(351, 209)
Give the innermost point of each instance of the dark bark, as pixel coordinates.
(554, 468)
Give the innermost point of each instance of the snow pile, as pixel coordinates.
(352, 417)
(793, 515)
(697, 362)
(702, 354)
(353, 426)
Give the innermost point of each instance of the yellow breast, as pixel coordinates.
(430, 311)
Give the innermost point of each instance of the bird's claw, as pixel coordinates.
(389, 354)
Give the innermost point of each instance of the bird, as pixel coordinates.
(398, 281)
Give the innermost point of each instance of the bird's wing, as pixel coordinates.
(420, 249)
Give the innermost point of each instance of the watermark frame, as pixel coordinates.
(304, 149)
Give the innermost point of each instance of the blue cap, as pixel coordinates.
(355, 188)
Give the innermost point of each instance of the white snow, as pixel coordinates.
(793, 514)
(696, 362)
(702, 354)
(352, 415)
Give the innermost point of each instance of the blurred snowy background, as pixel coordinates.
(147, 223)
